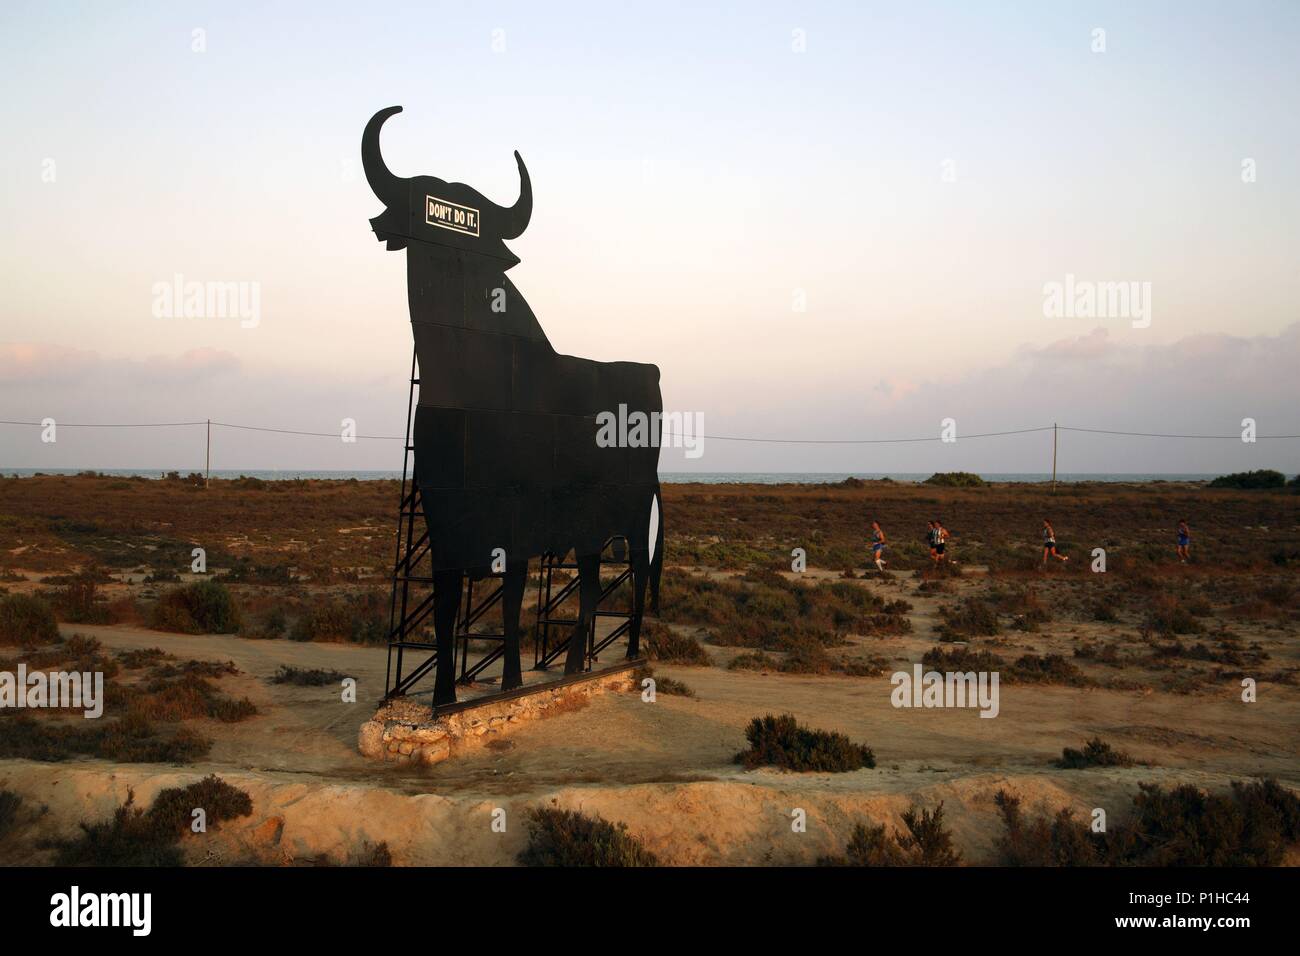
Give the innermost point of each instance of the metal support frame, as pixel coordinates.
(549, 645)
(412, 595)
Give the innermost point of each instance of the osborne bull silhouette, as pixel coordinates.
(506, 455)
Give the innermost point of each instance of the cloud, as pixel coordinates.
(1203, 384)
(35, 363)
(1094, 345)
(58, 366)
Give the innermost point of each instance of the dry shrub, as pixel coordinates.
(1095, 753)
(666, 645)
(961, 659)
(130, 739)
(356, 618)
(927, 843)
(1046, 669)
(973, 617)
(570, 838)
(782, 742)
(1060, 841)
(26, 621)
(303, 677)
(9, 804)
(1166, 615)
(1253, 824)
(185, 698)
(136, 837)
(203, 607)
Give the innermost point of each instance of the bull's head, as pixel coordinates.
(427, 209)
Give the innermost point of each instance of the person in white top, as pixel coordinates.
(878, 546)
(1049, 543)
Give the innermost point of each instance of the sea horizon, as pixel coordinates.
(712, 478)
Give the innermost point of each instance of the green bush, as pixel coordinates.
(569, 838)
(203, 607)
(781, 742)
(26, 620)
(1263, 478)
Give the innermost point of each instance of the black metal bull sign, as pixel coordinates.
(506, 451)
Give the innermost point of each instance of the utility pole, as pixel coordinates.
(207, 468)
(1053, 457)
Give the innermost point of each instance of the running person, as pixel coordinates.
(932, 539)
(1049, 543)
(1184, 541)
(878, 546)
(940, 540)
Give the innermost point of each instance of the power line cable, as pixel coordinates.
(735, 438)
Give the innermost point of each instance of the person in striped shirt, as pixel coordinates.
(1049, 543)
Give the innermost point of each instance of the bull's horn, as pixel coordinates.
(385, 185)
(515, 219)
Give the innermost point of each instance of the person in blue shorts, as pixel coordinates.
(878, 546)
(1049, 543)
(1184, 541)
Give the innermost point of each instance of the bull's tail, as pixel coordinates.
(656, 538)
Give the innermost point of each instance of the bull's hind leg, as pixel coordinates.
(640, 578)
(589, 594)
(446, 605)
(512, 600)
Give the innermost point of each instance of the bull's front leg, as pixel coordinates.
(589, 594)
(640, 578)
(512, 600)
(446, 606)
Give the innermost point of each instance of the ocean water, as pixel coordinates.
(667, 477)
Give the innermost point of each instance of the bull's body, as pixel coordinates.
(506, 455)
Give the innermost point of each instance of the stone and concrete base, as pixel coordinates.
(403, 730)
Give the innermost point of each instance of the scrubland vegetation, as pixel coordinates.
(309, 562)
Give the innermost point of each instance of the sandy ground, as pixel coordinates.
(663, 768)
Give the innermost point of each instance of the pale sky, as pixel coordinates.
(915, 176)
